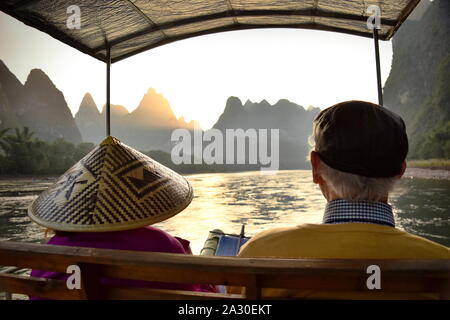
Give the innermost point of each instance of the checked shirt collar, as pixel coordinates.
(347, 211)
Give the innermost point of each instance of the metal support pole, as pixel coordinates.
(108, 91)
(377, 60)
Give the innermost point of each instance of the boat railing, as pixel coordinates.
(400, 279)
(11, 270)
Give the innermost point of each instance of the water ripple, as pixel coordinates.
(261, 201)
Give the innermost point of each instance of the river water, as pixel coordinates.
(258, 200)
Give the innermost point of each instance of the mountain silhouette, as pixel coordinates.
(41, 106)
(148, 127)
(11, 93)
(418, 86)
(89, 120)
(117, 111)
(37, 104)
(293, 122)
(153, 111)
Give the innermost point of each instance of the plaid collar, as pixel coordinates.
(346, 211)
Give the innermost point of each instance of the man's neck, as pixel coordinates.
(381, 199)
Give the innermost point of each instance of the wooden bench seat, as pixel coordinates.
(400, 277)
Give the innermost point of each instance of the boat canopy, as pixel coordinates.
(128, 27)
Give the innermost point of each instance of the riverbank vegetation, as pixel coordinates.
(23, 154)
(443, 164)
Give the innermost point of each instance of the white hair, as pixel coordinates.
(351, 186)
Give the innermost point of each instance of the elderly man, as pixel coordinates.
(359, 154)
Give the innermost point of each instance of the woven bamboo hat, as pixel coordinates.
(112, 188)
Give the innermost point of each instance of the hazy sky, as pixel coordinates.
(197, 75)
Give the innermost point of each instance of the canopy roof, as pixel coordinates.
(132, 26)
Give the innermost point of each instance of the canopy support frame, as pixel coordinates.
(316, 13)
(378, 67)
(27, 11)
(108, 91)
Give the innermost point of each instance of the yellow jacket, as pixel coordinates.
(344, 241)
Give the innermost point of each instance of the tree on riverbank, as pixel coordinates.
(23, 154)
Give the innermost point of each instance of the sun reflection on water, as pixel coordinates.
(260, 200)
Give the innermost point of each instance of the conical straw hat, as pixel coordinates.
(112, 188)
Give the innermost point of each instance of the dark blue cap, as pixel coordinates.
(361, 138)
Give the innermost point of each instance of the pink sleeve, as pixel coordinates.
(185, 243)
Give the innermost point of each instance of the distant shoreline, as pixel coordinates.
(421, 173)
(428, 173)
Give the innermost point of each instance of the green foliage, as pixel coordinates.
(418, 87)
(434, 116)
(2, 156)
(22, 154)
(430, 163)
(435, 144)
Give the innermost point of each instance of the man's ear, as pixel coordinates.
(402, 170)
(315, 164)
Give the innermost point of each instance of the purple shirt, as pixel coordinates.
(143, 239)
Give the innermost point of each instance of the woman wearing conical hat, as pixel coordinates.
(108, 200)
